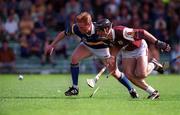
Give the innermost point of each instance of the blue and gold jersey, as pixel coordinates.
(90, 40)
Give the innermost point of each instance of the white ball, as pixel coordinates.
(59, 91)
(21, 77)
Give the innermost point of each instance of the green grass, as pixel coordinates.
(44, 95)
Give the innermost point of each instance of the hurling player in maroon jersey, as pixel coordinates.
(132, 43)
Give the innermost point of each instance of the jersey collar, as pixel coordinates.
(92, 30)
(113, 34)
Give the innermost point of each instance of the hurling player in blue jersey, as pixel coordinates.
(90, 45)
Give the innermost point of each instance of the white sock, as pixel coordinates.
(152, 64)
(75, 86)
(150, 90)
(151, 67)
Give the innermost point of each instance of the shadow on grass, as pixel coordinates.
(56, 97)
(66, 98)
(43, 97)
(84, 97)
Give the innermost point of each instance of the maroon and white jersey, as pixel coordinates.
(127, 38)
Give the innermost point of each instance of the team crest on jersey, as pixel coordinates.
(128, 34)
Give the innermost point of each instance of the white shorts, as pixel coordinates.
(142, 51)
(102, 53)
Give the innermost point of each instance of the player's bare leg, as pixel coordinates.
(129, 71)
(79, 53)
(121, 77)
(142, 71)
(137, 73)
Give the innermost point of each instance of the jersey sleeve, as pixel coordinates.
(139, 34)
(69, 30)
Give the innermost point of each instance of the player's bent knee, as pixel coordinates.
(141, 74)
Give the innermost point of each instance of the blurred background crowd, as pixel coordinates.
(27, 26)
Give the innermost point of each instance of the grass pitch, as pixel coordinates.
(44, 95)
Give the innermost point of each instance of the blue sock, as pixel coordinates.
(123, 79)
(75, 74)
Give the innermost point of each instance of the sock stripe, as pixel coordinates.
(75, 65)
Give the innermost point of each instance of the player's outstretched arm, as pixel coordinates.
(49, 49)
(58, 38)
(159, 44)
(149, 37)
